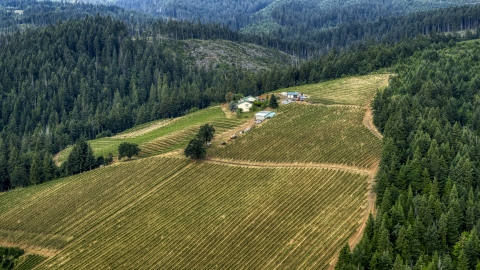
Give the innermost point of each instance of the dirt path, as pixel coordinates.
(29, 249)
(355, 239)
(249, 164)
(224, 136)
(142, 131)
(368, 123)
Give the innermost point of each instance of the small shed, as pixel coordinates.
(293, 94)
(264, 115)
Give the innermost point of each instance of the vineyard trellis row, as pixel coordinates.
(212, 215)
(347, 91)
(307, 134)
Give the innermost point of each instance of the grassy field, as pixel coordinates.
(306, 134)
(348, 91)
(173, 214)
(168, 136)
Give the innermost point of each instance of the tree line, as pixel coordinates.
(428, 183)
(89, 78)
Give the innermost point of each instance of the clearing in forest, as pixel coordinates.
(286, 194)
(347, 91)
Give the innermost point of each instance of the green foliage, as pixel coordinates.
(273, 102)
(205, 133)
(8, 256)
(195, 149)
(128, 150)
(428, 182)
(80, 159)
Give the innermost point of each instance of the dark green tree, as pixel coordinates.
(128, 150)
(35, 170)
(205, 133)
(80, 159)
(195, 149)
(272, 103)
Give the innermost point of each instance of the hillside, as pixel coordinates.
(172, 212)
(224, 54)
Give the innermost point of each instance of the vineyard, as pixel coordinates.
(163, 136)
(167, 213)
(286, 194)
(307, 134)
(348, 91)
(71, 206)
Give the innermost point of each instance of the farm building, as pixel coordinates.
(264, 115)
(251, 99)
(244, 105)
(293, 94)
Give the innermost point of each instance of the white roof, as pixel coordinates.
(263, 113)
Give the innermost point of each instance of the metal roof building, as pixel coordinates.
(264, 115)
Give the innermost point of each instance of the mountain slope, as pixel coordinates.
(170, 212)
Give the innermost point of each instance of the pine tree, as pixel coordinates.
(35, 170)
(272, 103)
(49, 168)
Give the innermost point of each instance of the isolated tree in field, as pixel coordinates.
(128, 150)
(195, 149)
(273, 102)
(205, 134)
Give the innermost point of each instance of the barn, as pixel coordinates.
(293, 94)
(260, 116)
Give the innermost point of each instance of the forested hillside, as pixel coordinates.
(84, 77)
(428, 185)
(303, 14)
(91, 77)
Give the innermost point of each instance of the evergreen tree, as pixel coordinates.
(35, 170)
(272, 103)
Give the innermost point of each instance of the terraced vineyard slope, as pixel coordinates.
(347, 91)
(168, 213)
(307, 134)
(286, 194)
(164, 135)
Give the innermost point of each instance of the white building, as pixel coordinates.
(293, 94)
(245, 106)
(264, 115)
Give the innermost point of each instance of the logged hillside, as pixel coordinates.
(212, 213)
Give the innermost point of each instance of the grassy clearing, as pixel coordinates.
(304, 134)
(173, 135)
(348, 91)
(203, 216)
